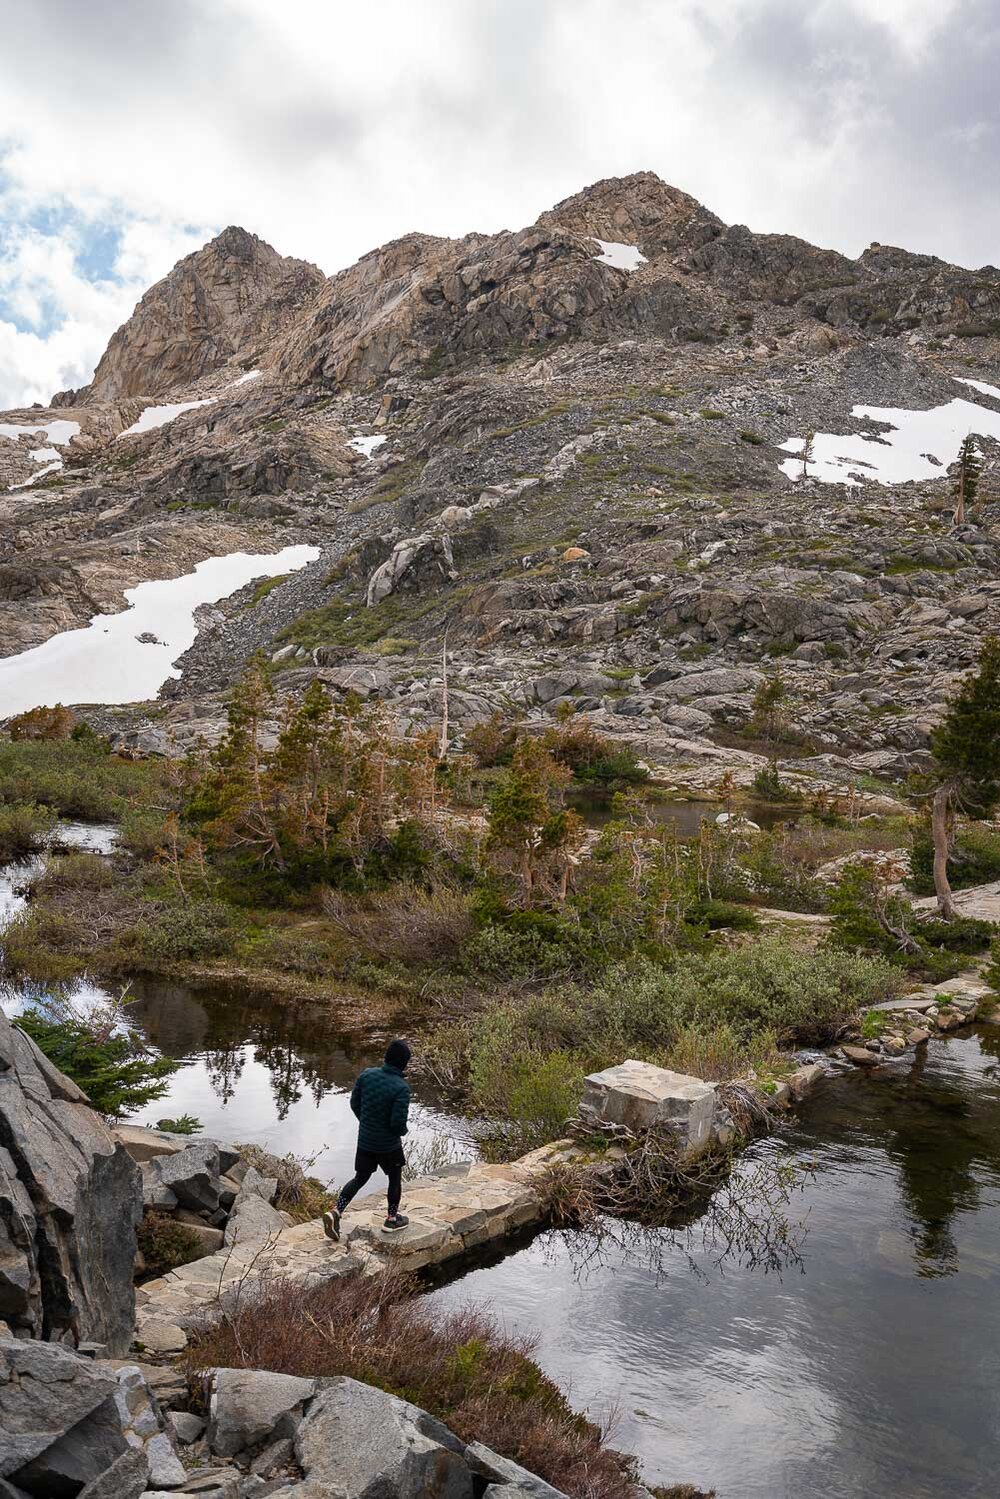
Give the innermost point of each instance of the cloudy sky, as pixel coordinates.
(133, 130)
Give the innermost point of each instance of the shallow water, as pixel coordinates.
(872, 1371)
(108, 662)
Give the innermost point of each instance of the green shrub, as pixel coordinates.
(77, 778)
(175, 933)
(522, 1060)
(24, 828)
(116, 1071)
(164, 1244)
(715, 914)
(975, 859)
(768, 785)
(184, 1124)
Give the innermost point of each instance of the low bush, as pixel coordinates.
(521, 1061)
(974, 859)
(24, 827)
(465, 1367)
(118, 1073)
(164, 1244)
(77, 778)
(408, 923)
(869, 917)
(184, 931)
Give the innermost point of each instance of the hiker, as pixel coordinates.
(380, 1098)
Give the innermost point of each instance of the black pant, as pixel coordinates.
(365, 1163)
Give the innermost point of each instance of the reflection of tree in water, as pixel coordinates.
(295, 1046)
(939, 1134)
(224, 1029)
(224, 1066)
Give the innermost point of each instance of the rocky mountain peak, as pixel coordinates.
(229, 298)
(640, 209)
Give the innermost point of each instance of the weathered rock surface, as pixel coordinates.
(69, 1204)
(228, 298)
(365, 1441)
(641, 1097)
(248, 1407)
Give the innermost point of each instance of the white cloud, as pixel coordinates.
(329, 129)
(57, 320)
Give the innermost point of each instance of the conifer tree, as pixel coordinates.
(966, 481)
(966, 748)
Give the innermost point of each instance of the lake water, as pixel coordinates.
(127, 657)
(872, 1371)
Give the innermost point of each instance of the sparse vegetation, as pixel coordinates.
(464, 1367)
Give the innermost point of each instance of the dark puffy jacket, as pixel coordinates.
(381, 1100)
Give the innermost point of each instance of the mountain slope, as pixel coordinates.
(232, 297)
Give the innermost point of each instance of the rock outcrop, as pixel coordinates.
(69, 1203)
(231, 297)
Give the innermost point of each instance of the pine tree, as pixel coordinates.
(966, 481)
(966, 748)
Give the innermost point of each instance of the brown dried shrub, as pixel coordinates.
(463, 1366)
(406, 924)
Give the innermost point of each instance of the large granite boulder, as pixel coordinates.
(361, 1441)
(639, 1097)
(248, 1407)
(72, 1428)
(70, 1200)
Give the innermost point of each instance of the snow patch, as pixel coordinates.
(366, 445)
(57, 432)
(622, 257)
(105, 662)
(919, 444)
(981, 386)
(159, 416)
(50, 468)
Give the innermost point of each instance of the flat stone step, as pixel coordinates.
(919, 1002)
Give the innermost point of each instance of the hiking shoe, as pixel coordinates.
(331, 1224)
(394, 1223)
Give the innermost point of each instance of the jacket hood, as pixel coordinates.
(397, 1054)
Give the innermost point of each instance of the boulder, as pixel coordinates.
(125, 1479)
(252, 1217)
(642, 1097)
(83, 1453)
(45, 1390)
(252, 1220)
(507, 1478)
(250, 1406)
(70, 1201)
(424, 561)
(360, 1441)
(191, 1176)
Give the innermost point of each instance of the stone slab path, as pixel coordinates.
(451, 1213)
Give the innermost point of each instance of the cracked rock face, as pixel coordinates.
(70, 1199)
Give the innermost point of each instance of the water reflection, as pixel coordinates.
(277, 1074)
(872, 1372)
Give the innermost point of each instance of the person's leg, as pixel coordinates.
(393, 1165)
(364, 1166)
(395, 1188)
